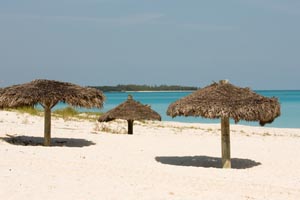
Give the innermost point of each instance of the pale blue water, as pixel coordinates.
(159, 101)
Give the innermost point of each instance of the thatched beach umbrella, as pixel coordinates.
(224, 100)
(48, 93)
(130, 110)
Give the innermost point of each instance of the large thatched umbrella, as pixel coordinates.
(224, 100)
(48, 93)
(130, 110)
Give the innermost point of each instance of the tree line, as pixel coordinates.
(133, 87)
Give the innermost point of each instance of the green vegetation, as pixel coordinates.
(65, 113)
(28, 109)
(70, 113)
(132, 87)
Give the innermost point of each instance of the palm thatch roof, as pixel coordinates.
(130, 110)
(226, 100)
(50, 92)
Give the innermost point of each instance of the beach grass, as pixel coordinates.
(29, 110)
(66, 113)
(69, 113)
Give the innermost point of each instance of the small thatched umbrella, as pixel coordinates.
(48, 93)
(224, 100)
(130, 110)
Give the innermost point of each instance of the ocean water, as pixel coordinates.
(159, 101)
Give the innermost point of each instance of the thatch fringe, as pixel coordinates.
(50, 92)
(226, 100)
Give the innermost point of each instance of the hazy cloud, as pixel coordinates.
(122, 20)
(151, 42)
(209, 27)
(290, 7)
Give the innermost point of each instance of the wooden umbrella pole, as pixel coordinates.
(47, 126)
(225, 131)
(130, 126)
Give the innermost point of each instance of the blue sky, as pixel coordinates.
(253, 43)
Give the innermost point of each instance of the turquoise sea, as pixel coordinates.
(159, 101)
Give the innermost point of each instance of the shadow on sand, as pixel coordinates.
(205, 161)
(38, 141)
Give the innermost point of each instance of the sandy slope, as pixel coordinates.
(162, 160)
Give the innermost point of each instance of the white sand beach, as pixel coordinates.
(160, 161)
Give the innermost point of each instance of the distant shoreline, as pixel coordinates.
(145, 88)
(162, 91)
